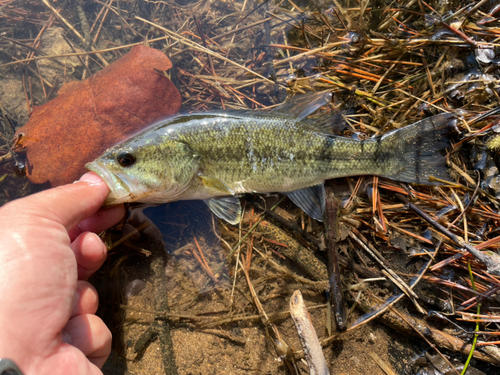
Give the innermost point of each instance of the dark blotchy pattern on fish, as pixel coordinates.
(271, 154)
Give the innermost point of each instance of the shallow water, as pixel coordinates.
(174, 298)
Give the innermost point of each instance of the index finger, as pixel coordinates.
(103, 219)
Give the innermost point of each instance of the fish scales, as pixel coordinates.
(217, 155)
(269, 155)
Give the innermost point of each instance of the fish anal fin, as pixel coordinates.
(311, 200)
(226, 208)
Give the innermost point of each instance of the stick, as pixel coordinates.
(415, 327)
(196, 46)
(307, 335)
(331, 220)
(63, 20)
(492, 262)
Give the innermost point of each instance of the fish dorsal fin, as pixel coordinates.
(301, 106)
(227, 208)
(296, 110)
(216, 184)
(311, 200)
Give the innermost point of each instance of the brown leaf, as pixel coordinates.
(92, 115)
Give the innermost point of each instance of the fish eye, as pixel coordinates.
(125, 158)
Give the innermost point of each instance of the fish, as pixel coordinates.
(217, 156)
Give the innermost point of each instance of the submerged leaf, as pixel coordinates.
(92, 115)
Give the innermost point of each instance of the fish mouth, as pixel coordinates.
(120, 185)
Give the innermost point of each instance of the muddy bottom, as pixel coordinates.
(169, 316)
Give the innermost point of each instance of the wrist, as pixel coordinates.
(8, 367)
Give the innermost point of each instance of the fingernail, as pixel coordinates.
(92, 178)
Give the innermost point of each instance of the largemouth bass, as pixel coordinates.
(215, 156)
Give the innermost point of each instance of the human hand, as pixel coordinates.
(47, 251)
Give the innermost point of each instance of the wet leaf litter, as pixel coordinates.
(229, 288)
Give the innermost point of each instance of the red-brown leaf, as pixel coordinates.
(90, 116)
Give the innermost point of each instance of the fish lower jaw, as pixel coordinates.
(154, 197)
(120, 191)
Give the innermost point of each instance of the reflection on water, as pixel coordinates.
(179, 221)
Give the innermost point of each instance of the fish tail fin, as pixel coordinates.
(420, 150)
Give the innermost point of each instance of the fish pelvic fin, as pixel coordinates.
(421, 150)
(227, 208)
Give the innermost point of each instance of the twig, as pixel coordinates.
(202, 36)
(282, 348)
(390, 273)
(384, 366)
(331, 222)
(196, 46)
(203, 262)
(392, 300)
(63, 20)
(492, 261)
(415, 327)
(307, 335)
(6, 117)
(85, 53)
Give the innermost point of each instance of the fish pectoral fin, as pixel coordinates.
(227, 208)
(311, 200)
(215, 183)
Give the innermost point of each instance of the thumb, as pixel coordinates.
(68, 204)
